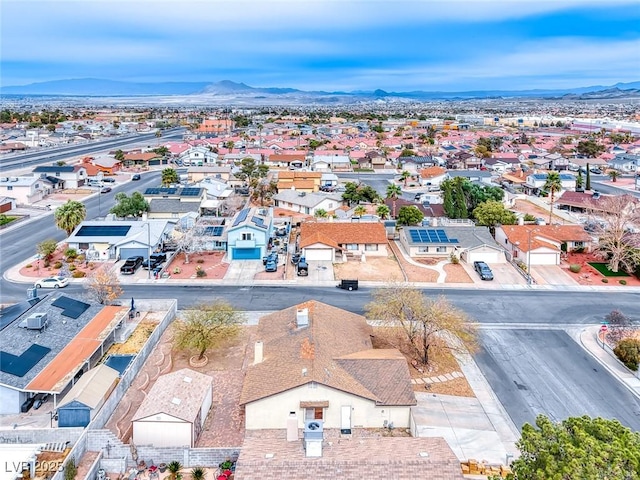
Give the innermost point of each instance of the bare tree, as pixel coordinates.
(620, 325)
(102, 285)
(190, 240)
(619, 215)
(206, 326)
(422, 321)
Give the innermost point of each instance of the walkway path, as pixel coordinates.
(437, 379)
(397, 247)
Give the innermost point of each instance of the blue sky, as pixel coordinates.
(395, 45)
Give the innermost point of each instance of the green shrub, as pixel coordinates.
(28, 266)
(78, 274)
(529, 218)
(81, 258)
(200, 260)
(58, 264)
(454, 259)
(177, 270)
(201, 273)
(578, 250)
(71, 253)
(575, 268)
(622, 282)
(628, 352)
(605, 280)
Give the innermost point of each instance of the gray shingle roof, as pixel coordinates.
(172, 205)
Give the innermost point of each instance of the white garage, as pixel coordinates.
(319, 252)
(484, 253)
(544, 256)
(174, 411)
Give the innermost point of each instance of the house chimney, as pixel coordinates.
(433, 222)
(292, 427)
(521, 221)
(302, 317)
(258, 353)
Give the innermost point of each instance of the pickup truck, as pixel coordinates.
(131, 264)
(156, 259)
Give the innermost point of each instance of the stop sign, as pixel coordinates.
(603, 328)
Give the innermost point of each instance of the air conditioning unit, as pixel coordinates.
(313, 435)
(37, 321)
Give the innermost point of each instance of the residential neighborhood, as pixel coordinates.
(124, 388)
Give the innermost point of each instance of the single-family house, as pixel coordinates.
(326, 240)
(480, 176)
(198, 156)
(62, 176)
(315, 374)
(249, 233)
(47, 343)
(307, 203)
(535, 182)
(329, 180)
(174, 411)
(325, 163)
(626, 163)
(469, 243)
(106, 240)
(432, 177)
(196, 174)
(376, 160)
(174, 202)
(26, 190)
(541, 244)
(7, 204)
(292, 161)
(300, 181)
(106, 165)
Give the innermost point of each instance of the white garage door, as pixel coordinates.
(318, 254)
(491, 256)
(545, 259)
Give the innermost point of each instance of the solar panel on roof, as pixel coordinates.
(103, 231)
(21, 365)
(242, 216)
(258, 222)
(70, 307)
(430, 235)
(190, 192)
(213, 231)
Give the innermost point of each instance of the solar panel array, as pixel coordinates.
(160, 191)
(430, 235)
(213, 231)
(190, 192)
(103, 231)
(70, 307)
(242, 216)
(258, 222)
(21, 365)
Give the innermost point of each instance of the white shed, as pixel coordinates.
(174, 411)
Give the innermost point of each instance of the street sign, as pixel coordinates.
(603, 328)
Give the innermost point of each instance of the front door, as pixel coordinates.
(345, 419)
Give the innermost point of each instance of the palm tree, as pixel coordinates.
(382, 211)
(393, 192)
(70, 215)
(405, 175)
(360, 210)
(169, 176)
(552, 185)
(613, 174)
(119, 155)
(321, 213)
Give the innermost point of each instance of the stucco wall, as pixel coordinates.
(272, 412)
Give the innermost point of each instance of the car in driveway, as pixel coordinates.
(131, 264)
(156, 260)
(295, 258)
(52, 282)
(271, 266)
(483, 270)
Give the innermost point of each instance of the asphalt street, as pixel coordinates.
(546, 372)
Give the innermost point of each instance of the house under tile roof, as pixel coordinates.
(519, 234)
(296, 355)
(342, 233)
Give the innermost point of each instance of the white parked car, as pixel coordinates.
(52, 282)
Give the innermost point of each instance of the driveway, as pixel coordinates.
(243, 271)
(320, 272)
(503, 274)
(551, 275)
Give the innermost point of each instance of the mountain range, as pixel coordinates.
(226, 90)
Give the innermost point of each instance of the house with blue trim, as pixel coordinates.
(249, 234)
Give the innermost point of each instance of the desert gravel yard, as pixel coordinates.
(385, 269)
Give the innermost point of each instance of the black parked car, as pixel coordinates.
(483, 270)
(131, 264)
(136, 176)
(156, 259)
(295, 258)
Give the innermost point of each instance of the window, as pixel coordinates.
(330, 206)
(57, 174)
(423, 249)
(315, 413)
(83, 246)
(578, 244)
(9, 187)
(352, 246)
(247, 236)
(441, 249)
(371, 247)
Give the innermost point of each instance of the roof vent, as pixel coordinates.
(302, 317)
(175, 401)
(187, 379)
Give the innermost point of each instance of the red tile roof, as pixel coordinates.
(542, 234)
(342, 233)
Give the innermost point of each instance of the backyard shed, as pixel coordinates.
(86, 397)
(174, 411)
